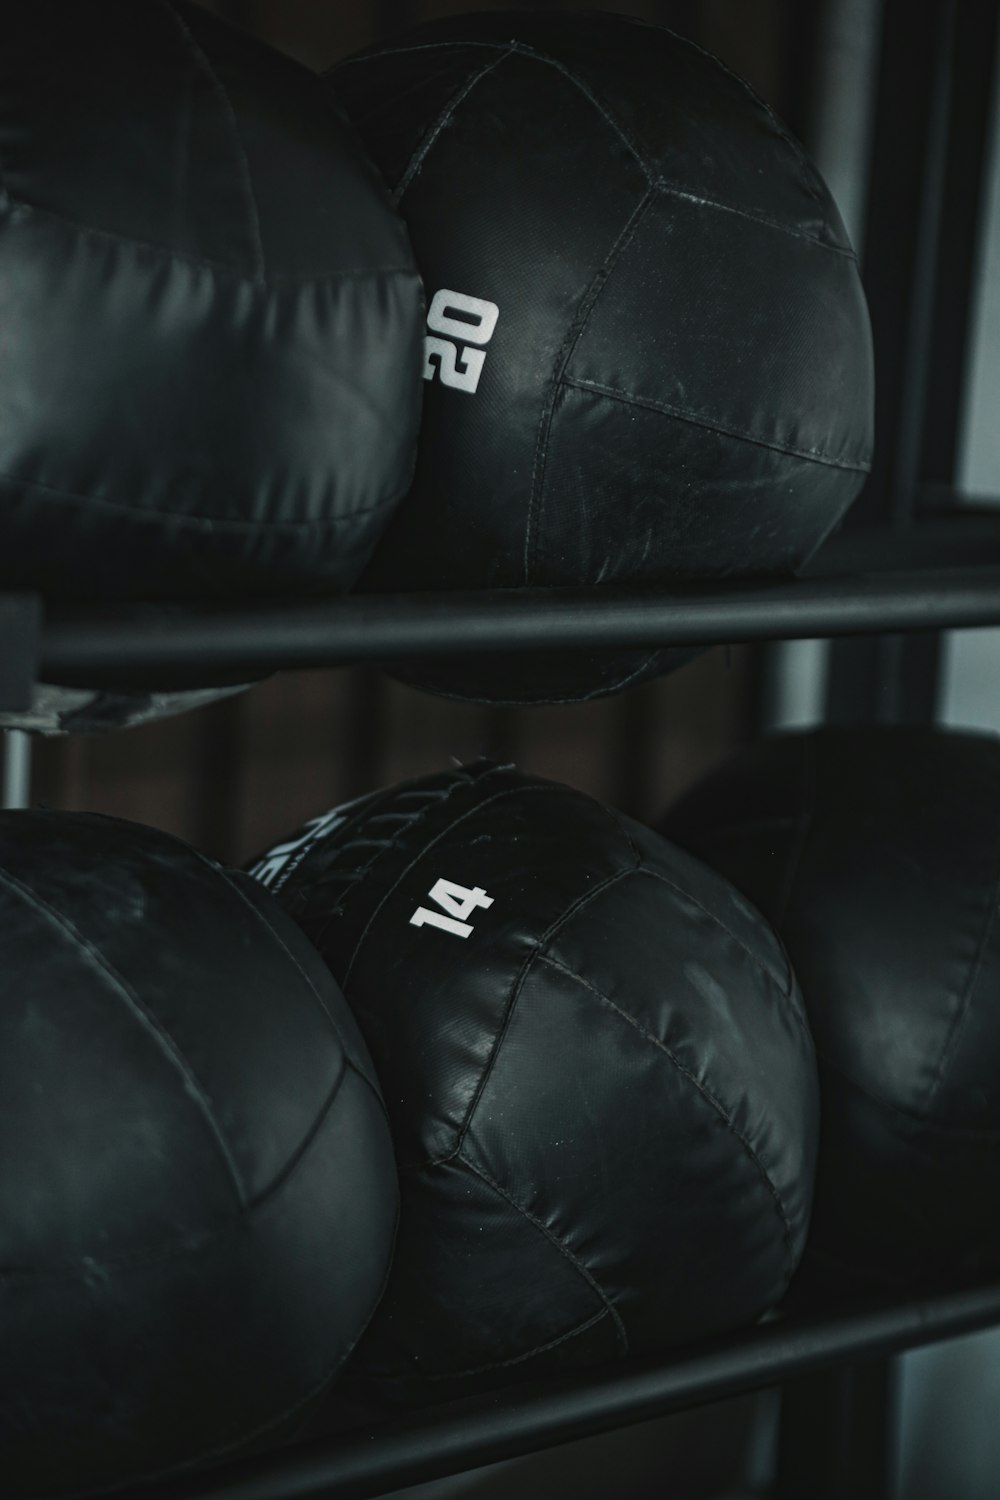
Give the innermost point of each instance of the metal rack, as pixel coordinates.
(909, 564)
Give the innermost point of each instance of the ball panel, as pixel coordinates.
(684, 523)
(514, 1037)
(77, 63)
(216, 1029)
(626, 67)
(522, 208)
(738, 325)
(93, 1099)
(448, 1313)
(421, 99)
(313, 360)
(210, 1341)
(875, 852)
(580, 1162)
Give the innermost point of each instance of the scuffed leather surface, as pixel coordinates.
(197, 1188)
(679, 386)
(210, 362)
(603, 1099)
(876, 854)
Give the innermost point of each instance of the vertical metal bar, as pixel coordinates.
(16, 769)
(926, 188)
(836, 1440)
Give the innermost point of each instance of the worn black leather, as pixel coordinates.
(679, 382)
(211, 319)
(197, 1188)
(876, 854)
(603, 1096)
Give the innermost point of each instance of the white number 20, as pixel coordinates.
(474, 326)
(456, 902)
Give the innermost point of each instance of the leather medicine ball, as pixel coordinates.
(197, 1188)
(601, 1087)
(210, 362)
(876, 854)
(648, 356)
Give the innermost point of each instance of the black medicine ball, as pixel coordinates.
(876, 854)
(197, 1188)
(648, 357)
(211, 319)
(594, 1058)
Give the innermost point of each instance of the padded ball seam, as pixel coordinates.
(554, 1239)
(960, 1017)
(168, 1048)
(705, 1092)
(441, 121)
(577, 327)
(243, 165)
(523, 50)
(785, 988)
(534, 952)
(501, 1364)
(196, 521)
(261, 919)
(196, 1242)
(23, 208)
(699, 419)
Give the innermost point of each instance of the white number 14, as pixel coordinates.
(456, 901)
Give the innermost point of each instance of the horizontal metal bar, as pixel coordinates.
(140, 641)
(519, 1420)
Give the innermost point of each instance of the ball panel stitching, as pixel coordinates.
(102, 966)
(705, 1092)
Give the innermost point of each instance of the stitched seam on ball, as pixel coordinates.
(21, 208)
(242, 163)
(629, 398)
(622, 827)
(422, 853)
(663, 185)
(194, 519)
(805, 166)
(523, 50)
(440, 123)
(262, 921)
(345, 1045)
(196, 1242)
(102, 966)
(589, 300)
(503, 1364)
(784, 988)
(974, 1134)
(516, 988)
(553, 1239)
(959, 1019)
(698, 1084)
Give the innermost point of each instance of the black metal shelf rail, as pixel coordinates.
(943, 574)
(523, 1419)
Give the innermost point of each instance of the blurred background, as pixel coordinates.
(897, 102)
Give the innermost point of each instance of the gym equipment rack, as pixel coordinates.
(912, 560)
